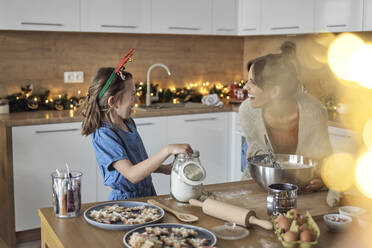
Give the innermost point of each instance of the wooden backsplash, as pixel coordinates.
(41, 58)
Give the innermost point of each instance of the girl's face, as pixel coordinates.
(257, 95)
(124, 107)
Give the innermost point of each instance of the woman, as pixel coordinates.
(293, 121)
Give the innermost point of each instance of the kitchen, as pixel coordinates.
(43, 40)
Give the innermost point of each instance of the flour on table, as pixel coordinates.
(233, 195)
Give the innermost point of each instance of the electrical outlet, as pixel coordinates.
(74, 77)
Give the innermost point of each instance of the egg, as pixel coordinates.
(300, 220)
(283, 222)
(290, 236)
(305, 236)
(294, 212)
(304, 227)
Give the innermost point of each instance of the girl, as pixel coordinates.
(293, 121)
(120, 153)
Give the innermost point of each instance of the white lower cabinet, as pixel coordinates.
(207, 133)
(153, 132)
(37, 152)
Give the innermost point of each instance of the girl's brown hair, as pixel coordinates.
(96, 111)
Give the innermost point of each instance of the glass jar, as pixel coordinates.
(186, 177)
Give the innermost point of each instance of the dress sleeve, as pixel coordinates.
(108, 147)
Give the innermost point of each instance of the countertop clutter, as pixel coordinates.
(76, 232)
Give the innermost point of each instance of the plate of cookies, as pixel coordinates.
(123, 215)
(169, 235)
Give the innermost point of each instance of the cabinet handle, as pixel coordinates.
(282, 28)
(117, 26)
(337, 26)
(145, 124)
(42, 24)
(184, 28)
(224, 29)
(58, 130)
(341, 135)
(201, 119)
(249, 29)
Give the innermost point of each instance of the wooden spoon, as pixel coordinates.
(181, 216)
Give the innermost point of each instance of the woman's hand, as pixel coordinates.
(314, 185)
(180, 148)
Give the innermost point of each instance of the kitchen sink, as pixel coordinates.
(168, 105)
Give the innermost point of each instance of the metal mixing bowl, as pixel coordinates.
(295, 169)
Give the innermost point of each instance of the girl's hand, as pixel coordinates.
(164, 169)
(180, 148)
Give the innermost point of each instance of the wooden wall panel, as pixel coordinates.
(41, 58)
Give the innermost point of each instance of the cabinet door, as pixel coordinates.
(338, 15)
(367, 15)
(249, 17)
(224, 14)
(287, 16)
(181, 17)
(127, 16)
(207, 133)
(37, 152)
(344, 140)
(153, 132)
(51, 15)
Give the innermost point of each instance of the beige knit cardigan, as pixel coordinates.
(313, 139)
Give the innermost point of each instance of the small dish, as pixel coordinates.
(352, 211)
(337, 222)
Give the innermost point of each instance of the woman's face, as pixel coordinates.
(124, 107)
(257, 95)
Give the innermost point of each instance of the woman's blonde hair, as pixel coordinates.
(96, 111)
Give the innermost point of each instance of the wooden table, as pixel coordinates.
(76, 232)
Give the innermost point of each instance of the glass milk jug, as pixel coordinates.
(186, 177)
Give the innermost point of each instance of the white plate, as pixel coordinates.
(120, 225)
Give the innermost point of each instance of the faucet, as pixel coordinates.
(148, 99)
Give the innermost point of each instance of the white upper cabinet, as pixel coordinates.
(338, 15)
(181, 17)
(45, 15)
(287, 16)
(224, 14)
(367, 20)
(124, 16)
(249, 12)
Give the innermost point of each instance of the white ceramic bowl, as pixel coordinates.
(337, 222)
(352, 211)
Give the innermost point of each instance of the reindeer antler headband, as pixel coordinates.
(118, 72)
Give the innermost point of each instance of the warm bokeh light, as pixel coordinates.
(338, 171)
(360, 66)
(367, 133)
(363, 174)
(340, 53)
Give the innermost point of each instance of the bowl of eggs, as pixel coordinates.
(337, 222)
(296, 230)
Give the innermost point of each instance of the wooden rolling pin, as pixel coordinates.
(231, 213)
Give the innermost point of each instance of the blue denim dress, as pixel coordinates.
(113, 145)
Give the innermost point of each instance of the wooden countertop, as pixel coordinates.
(76, 232)
(65, 116)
